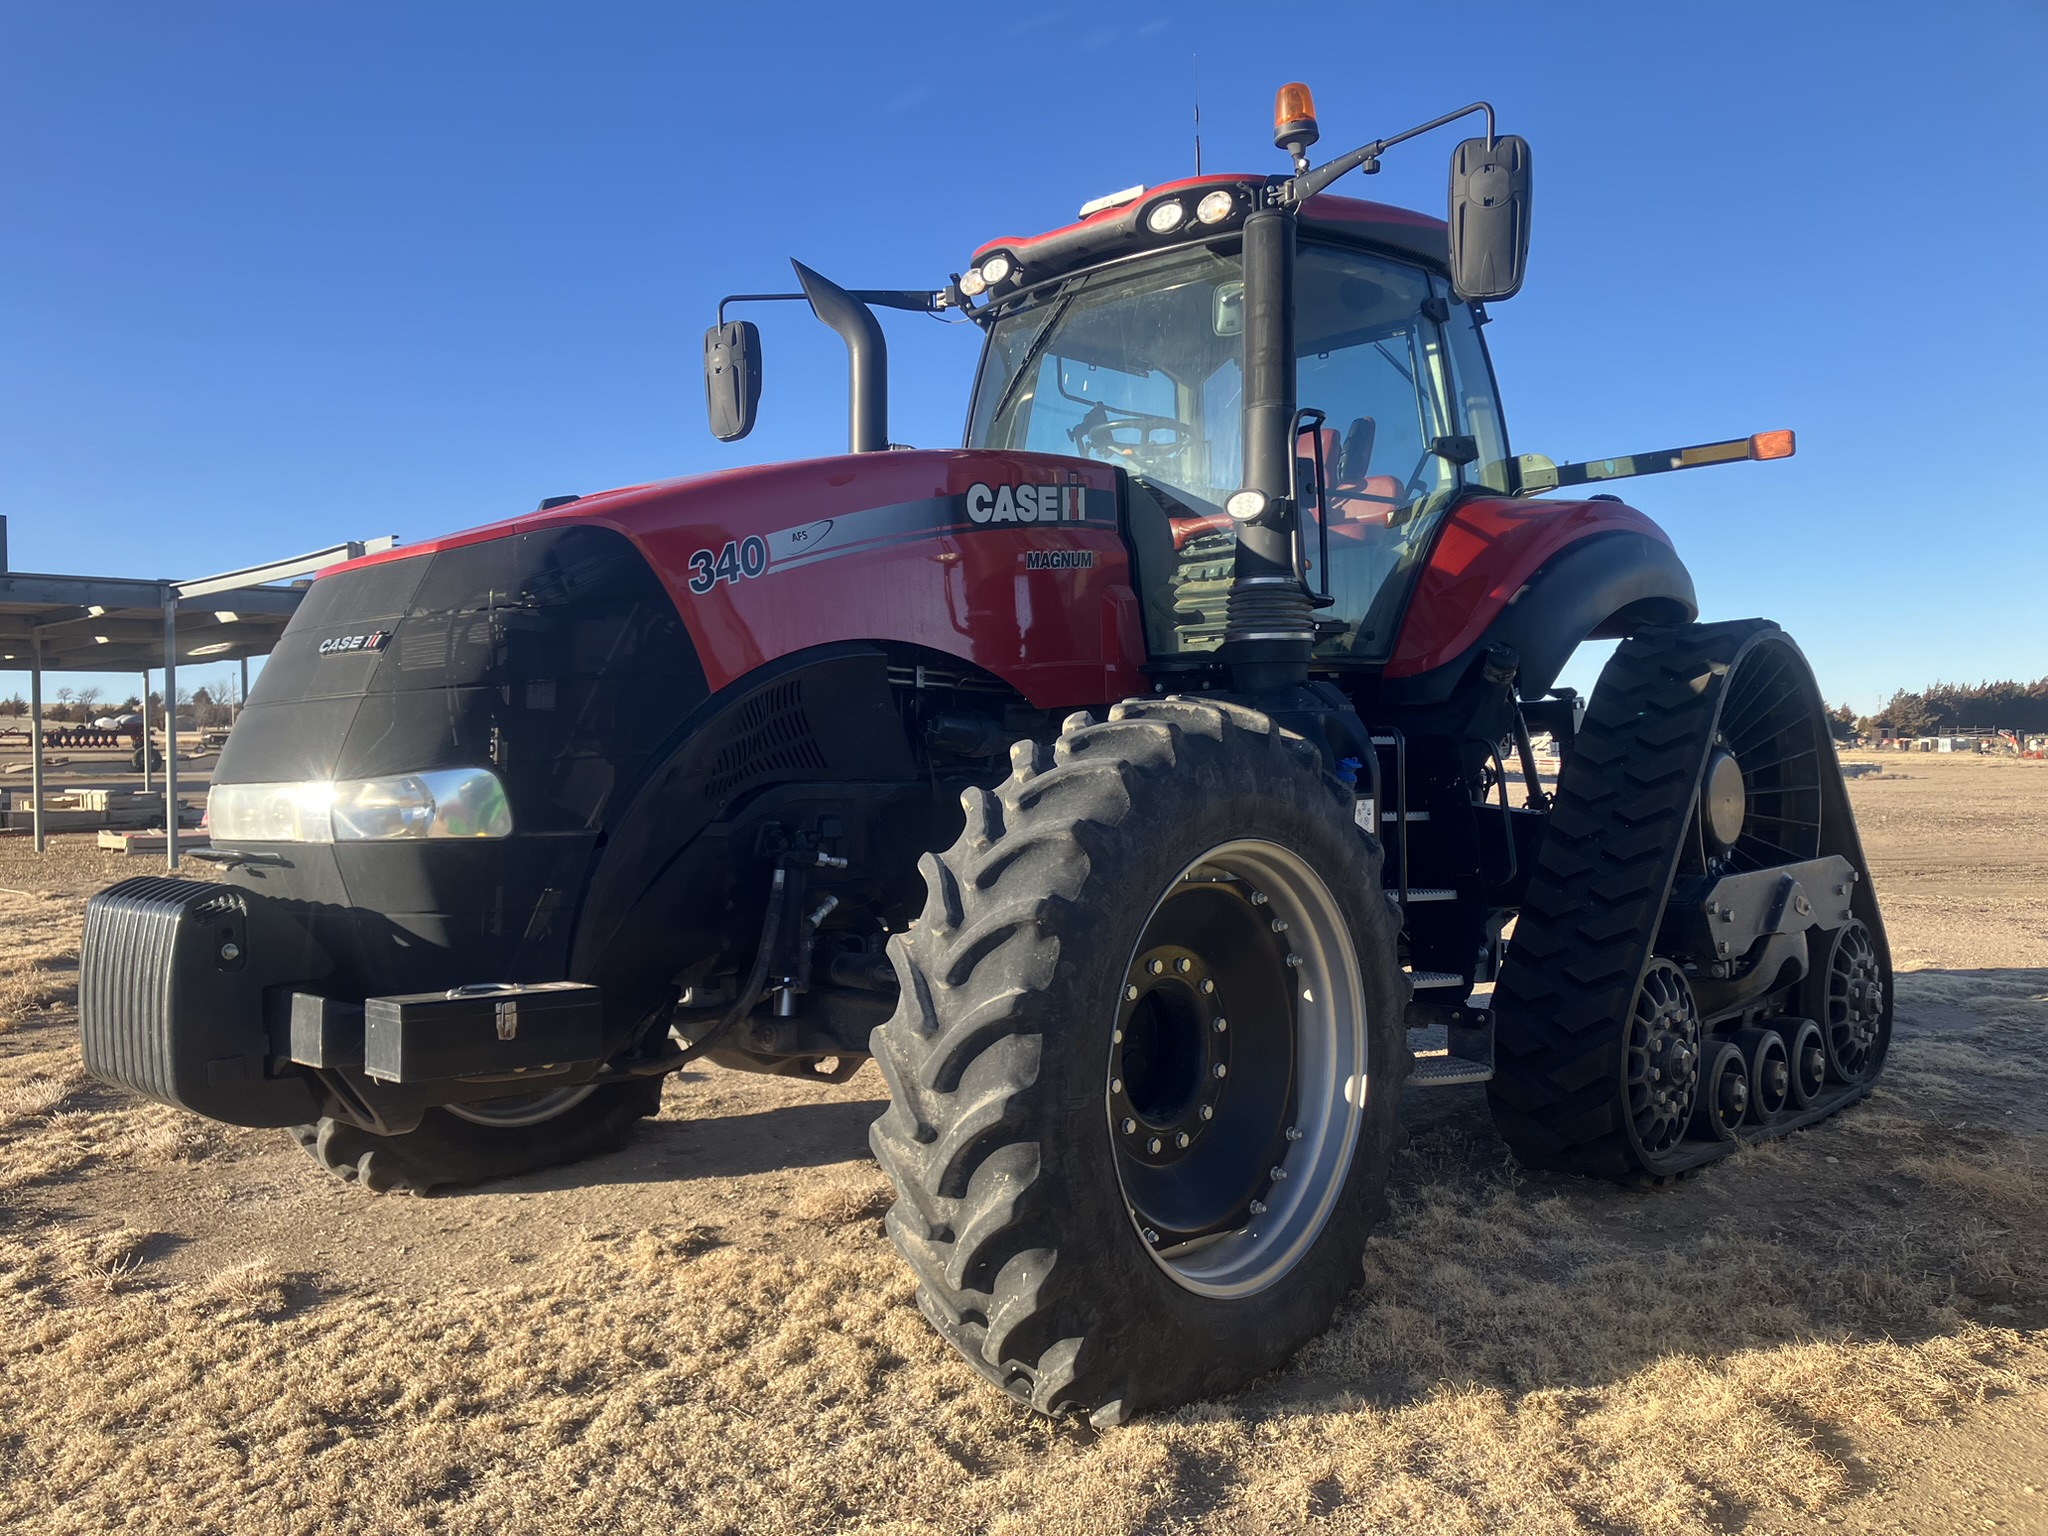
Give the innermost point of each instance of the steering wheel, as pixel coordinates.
(1130, 434)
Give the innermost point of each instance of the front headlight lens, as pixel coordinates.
(450, 802)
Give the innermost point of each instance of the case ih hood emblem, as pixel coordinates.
(376, 640)
(1026, 504)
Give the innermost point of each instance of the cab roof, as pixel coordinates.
(1123, 230)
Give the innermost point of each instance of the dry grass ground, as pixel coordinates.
(198, 1331)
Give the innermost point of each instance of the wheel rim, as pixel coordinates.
(1663, 1057)
(1237, 1072)
(1855, 1002)
(522, 1109)
(1760, 796)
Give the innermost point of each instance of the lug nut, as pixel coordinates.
(1181, 1140)
(1279, 925)
(1207, 1112)
(1208, 985)
(1151, 1236)
(1116, 1085)
(1130, 994)
(1294, 1133)
(1116, 1037)
(1183, 965)
(1153, 1145)
(1258, 898)
(1294, 960)
(1129, 1126)
(1257, 1207)
(1277, 1172)
(1221, 1025)
(1220, 1070)
(1155, 966)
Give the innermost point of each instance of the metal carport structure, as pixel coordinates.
(121, 624)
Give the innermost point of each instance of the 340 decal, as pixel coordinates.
(740, 560)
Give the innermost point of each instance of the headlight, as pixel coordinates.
(995, 269)
(450, 802)
(1165, 219)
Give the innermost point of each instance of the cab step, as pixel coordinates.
(1423, 980)
(1447, 1072)
(1429, 893)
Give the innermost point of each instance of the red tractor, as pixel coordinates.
(1148, 785)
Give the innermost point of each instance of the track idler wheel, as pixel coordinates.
(1849, 984)
(1808, 1058)
(1770, 1072)
(1724, 1094)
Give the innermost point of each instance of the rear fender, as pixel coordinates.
(1603, 584)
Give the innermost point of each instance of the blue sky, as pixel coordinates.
(277, 275)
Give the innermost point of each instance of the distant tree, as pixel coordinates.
(16, 705)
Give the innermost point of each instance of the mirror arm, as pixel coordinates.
(913, 299)
(1300, 189)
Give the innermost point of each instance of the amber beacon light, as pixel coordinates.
(1294, 118)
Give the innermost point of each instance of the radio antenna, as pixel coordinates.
(1195, 63)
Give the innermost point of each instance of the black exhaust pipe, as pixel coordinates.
(867, 357)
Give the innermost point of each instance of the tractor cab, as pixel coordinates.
(1139, 363)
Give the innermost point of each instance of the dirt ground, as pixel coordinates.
(708, 1333)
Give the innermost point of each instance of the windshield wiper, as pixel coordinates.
(1031, 354)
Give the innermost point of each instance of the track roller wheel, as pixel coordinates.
(1770, 1073)
(1808, 1057)
(1145, 1069)
(1724, 1093)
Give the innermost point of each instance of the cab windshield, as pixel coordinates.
(1141, 366)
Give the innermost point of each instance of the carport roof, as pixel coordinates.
(116, 623)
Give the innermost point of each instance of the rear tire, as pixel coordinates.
(476, 1143)
(1082, 1139)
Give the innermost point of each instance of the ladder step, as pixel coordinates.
(1422, 979)
(1429, 893)
(1447, 1071)
(1384, 741)
(1396, 816)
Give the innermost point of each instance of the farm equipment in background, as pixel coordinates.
(1133, 782)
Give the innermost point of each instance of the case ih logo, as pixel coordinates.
(1027, 504)
(373, 641)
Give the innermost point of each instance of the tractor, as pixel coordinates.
(1149, 787)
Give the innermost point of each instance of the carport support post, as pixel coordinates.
(170, 729)
(145, 730)
(35, 735)
(242, 699)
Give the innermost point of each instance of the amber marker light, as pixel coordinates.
(1294, 116)
(1772, 445)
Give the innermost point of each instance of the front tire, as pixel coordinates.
(1145, 1072)
(475, 1143)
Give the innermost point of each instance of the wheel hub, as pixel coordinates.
(1724, 802)
(1855, 1001)
(1170, 1059)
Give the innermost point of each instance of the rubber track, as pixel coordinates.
(447, 1151)
(976, 1215)
(1596, 898)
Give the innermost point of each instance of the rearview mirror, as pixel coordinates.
(732, 378)
(1489, 217)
